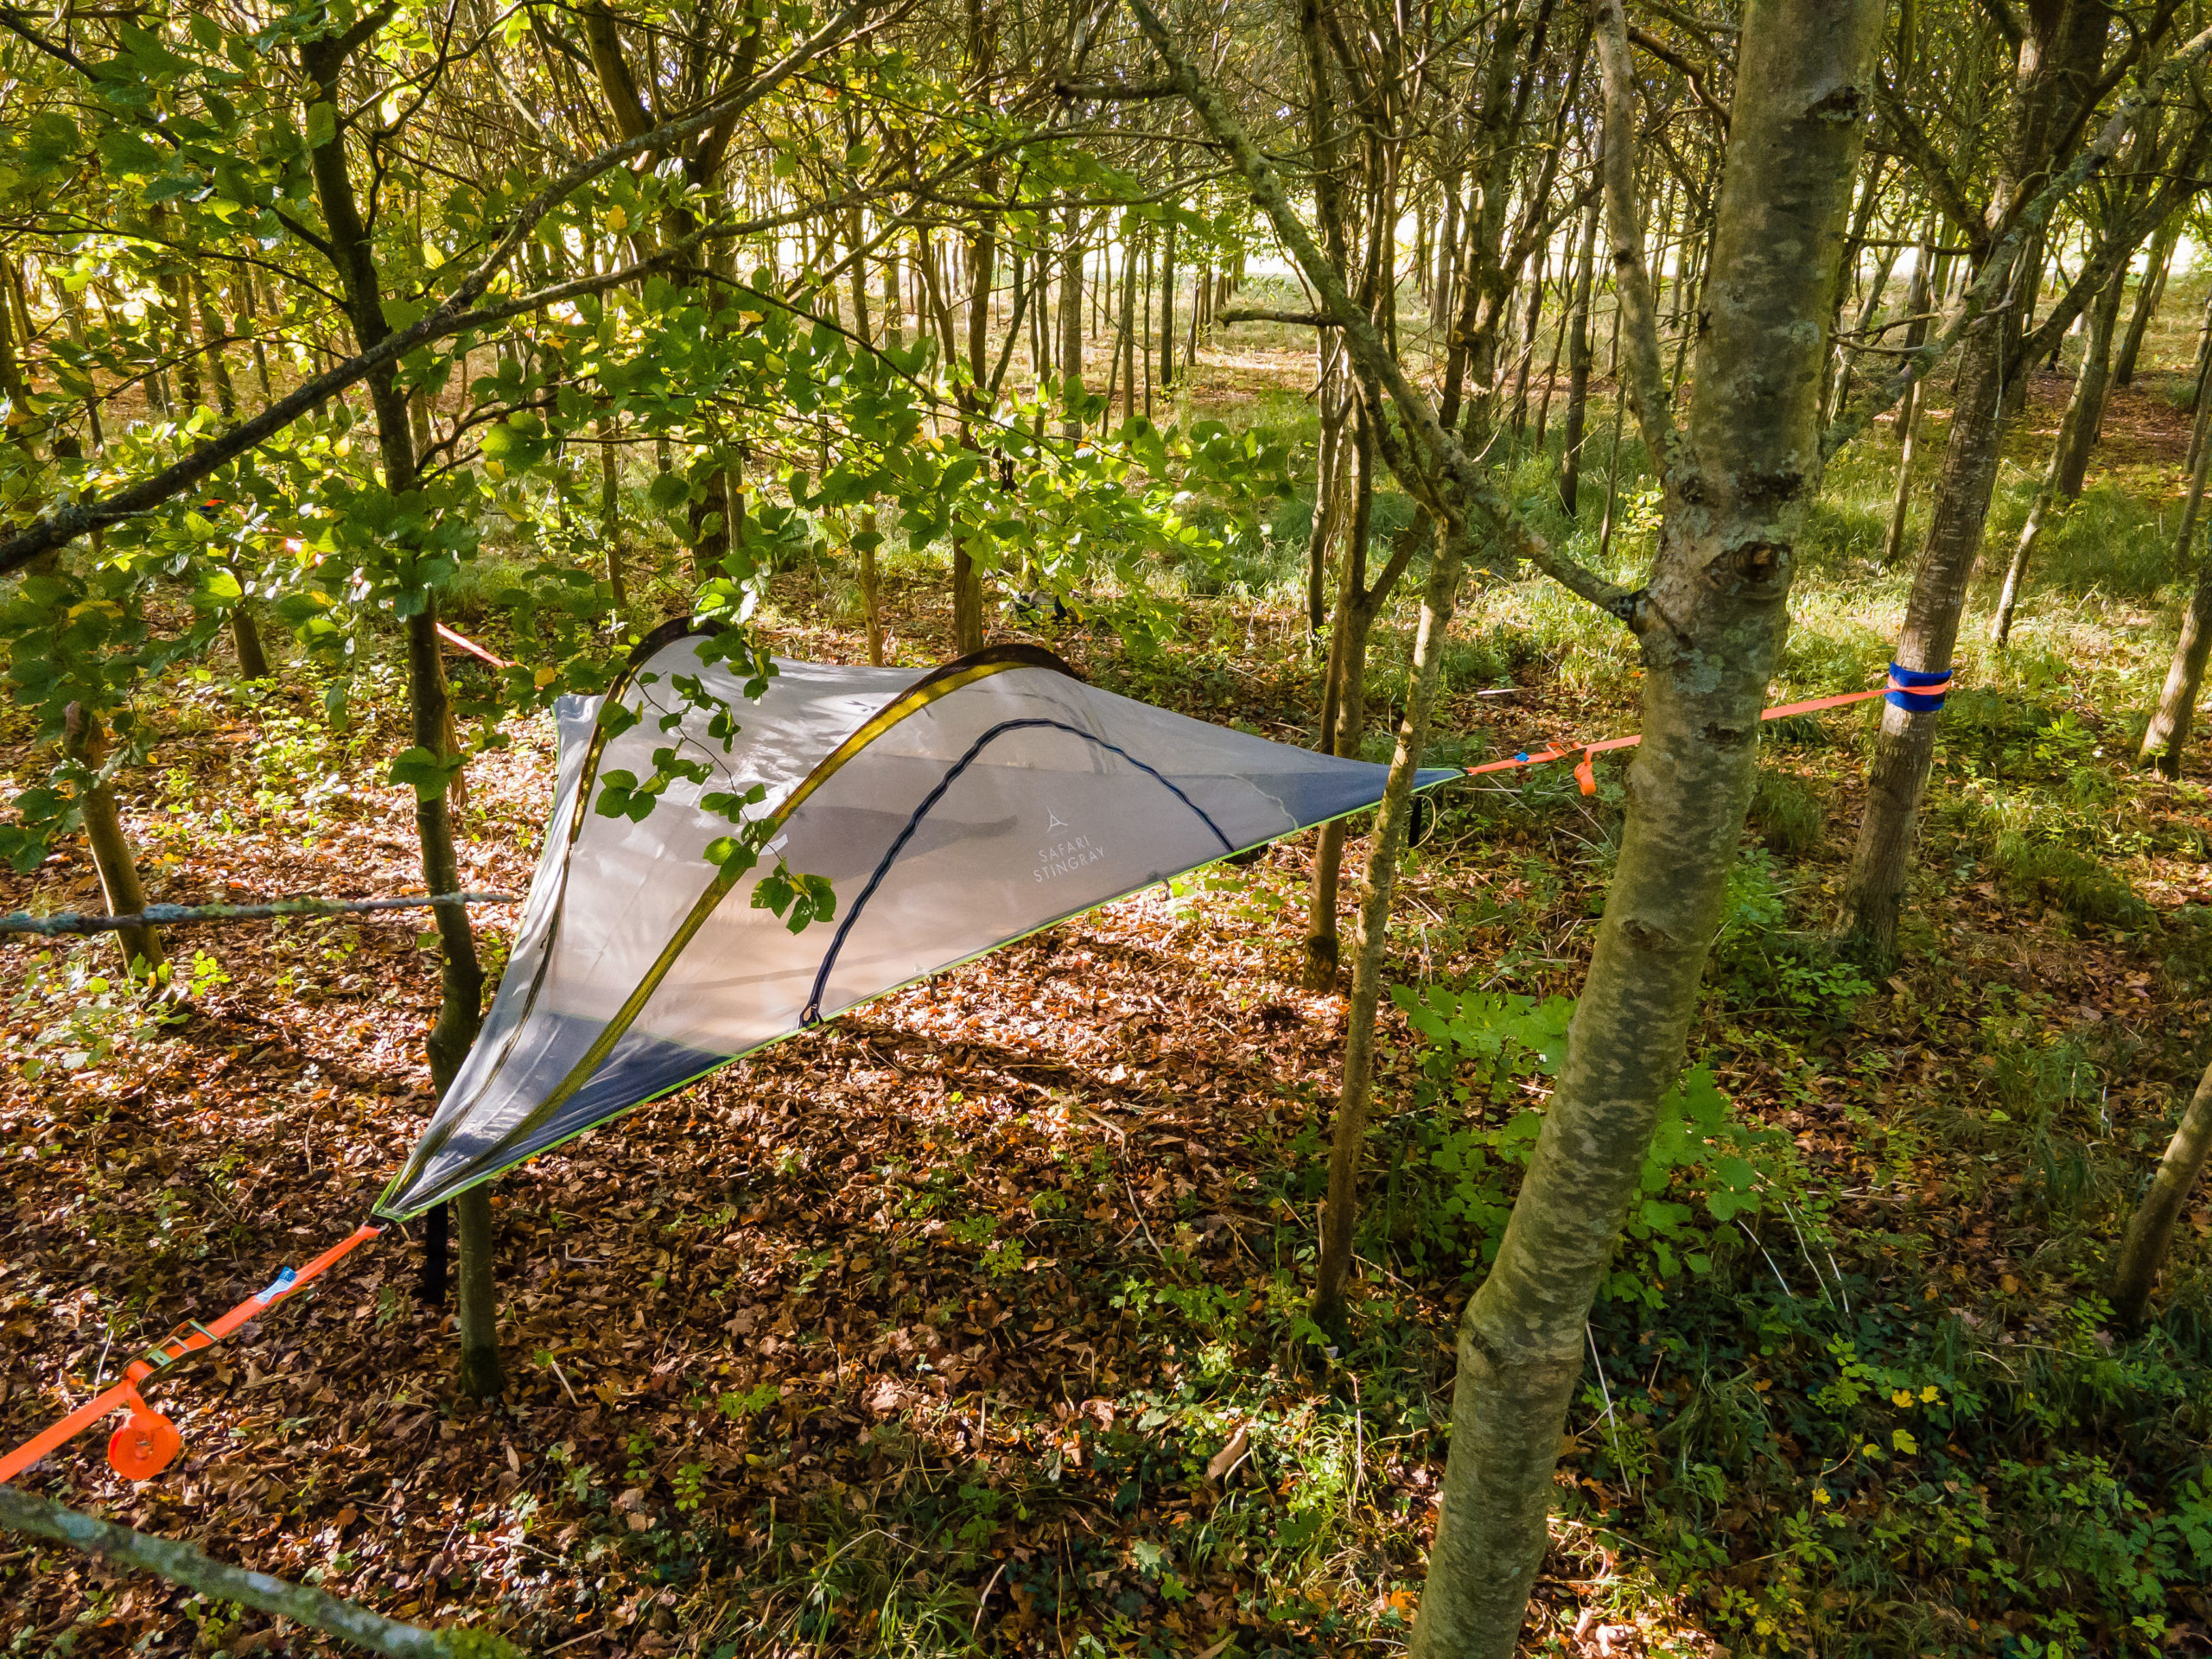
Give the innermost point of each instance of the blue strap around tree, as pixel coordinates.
(1918, 690)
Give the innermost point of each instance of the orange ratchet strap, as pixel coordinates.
(141, 1448)
(470, 646)
(1585, 772)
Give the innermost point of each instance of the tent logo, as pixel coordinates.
(1070, 853)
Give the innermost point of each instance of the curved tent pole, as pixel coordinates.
(813, 1014)
(941, 681)
(433, 1286)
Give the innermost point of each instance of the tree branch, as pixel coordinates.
(1645, 377)
(1371, 356)
(69, 922)
(1996, 271)
(64, 525)
(181, 1563)
(1914, 146)
(1295, 319)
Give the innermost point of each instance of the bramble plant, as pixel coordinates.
(1477, 1107)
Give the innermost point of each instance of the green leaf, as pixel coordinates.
(428, 774)
(322, 125)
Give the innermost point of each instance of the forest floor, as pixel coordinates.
(974, 1321)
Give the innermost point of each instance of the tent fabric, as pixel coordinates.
(952, 812)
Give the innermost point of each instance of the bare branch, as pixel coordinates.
(1646, 379)
(1996, 271)
(63, 524)
(70, 923)
(1295, 319)
(181, 1563)
(1470, 484)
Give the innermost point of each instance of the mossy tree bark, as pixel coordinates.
(87, 744)
(2056, 67)
(1738, 481)
(2150, 1232)
(181, 1563)
(461, 976)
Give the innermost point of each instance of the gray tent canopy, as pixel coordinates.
(952, 812)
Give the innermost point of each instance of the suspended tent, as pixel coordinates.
(951, 812)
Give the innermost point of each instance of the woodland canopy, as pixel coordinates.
(1723, 1175)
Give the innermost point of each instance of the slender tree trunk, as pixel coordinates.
(476, 1308)
(2070, 455)
(184, 1564)
(1144, 352)
(461, 976)
(610, 508)
(870, 537)
(1917, 301)
(2060, 50)
(1071, 253)
(1874, 898)
(1580, 355)
(2085, 414)
(1331, 459)
(1344, 705)
(1740, 479)
(1130, 350)
(2147, 296)
(245, 640)
(1348, 1141)
(1551, 375)
(2150, 1232)
(252, 311)
(1168, 310)
(2167, 735)
(124, 895)
(1529, 321)
(211, 330)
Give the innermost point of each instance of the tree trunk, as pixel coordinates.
(1580, 358)
(2150, 1232)
(1348, 1139)
(1919, 301)
(2166, 735)
(2070, 455)
(477, 1308)
(184, 1564)
(610, 510)
(86, 743)
(1874, 897)
(1331, 459)
(1071, 324)
(2085, 413)
(245, 639)
(870, 537)
(1130, 349)
(1344, 705)
(1168, 310)
(1529, 326)
(212, 331)
(2201, 366)
(460, 976)
(2147, 297)
(1740, 479)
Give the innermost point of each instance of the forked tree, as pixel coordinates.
(1737, 477)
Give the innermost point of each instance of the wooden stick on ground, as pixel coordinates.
(183, 1564)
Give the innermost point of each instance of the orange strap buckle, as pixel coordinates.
(148, 1441)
